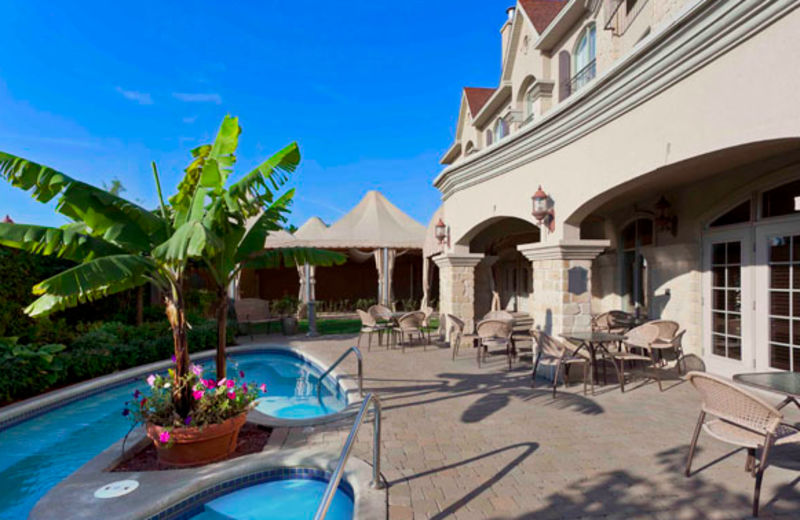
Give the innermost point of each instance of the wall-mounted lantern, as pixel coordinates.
(441, 231)
(665, 220)
(542, 209)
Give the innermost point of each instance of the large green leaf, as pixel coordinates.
(64, 242)
(108, 216)
(292, 256)
(270, 220)
(90, 281)
(191, 240)
(260, 184)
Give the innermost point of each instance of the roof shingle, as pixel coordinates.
(477, 97)
(542, 12)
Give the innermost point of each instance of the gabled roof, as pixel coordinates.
(477, 97)
(313, 228)
(542, 12)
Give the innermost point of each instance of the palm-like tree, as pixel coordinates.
(243, 213)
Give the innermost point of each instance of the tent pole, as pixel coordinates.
(312, 316)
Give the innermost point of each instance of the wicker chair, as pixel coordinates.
(426, 322)
(380, 313)
(498, 315)
(742, 419)
(409, 325)
(639, 347)
(615, 322)
(550, 351)
(456, 332)
(369, 326)
(495, 333)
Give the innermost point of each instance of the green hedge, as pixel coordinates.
(104, 349)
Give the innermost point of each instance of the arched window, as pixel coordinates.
(737, 215)
(500, 129)
(529, 106)
(584, 58)
(489, 136)
(469, 149)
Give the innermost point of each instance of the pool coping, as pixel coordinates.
(166, 494)
(28, 409)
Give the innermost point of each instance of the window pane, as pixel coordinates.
(779, 249)
(718, 322)
(796, 360)
(734, 276)
(779, 276)
(734, 252)
(796, 305)
(718, 254)
(719, 300)
(735, 301)
(780, 201)
(779, 330)
(719, 277)
(629, 236)
(734, 348)
(779, 357)
(796, 332)
(796, 248)
(779, 303)
(718, 345)
(645, 232)
(738, 215)
(734, 325)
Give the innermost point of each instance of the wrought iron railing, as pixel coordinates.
(618, 19)
(584, 76)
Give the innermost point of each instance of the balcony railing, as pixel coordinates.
(619, 18)
(584, 76)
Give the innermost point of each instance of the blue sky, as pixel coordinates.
(370, 90)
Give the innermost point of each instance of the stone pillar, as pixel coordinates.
(457, 286)
(562, 283)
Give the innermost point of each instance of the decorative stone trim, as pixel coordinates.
(703, 31)
(564, 250)
(466, 260)
(542, 88)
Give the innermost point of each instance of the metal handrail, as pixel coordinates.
(336, 363)
(333, 485)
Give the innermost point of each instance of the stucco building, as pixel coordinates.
(666, 134)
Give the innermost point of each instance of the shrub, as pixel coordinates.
(30, 369)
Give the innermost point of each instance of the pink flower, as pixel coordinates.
(263, 387)
(244, 387)
(197, 370)
(221, 382)
(231, 395)
(151, 380)
(229, 383)
(198, 394)
(164, 437)
(210, 383)
(241, 373)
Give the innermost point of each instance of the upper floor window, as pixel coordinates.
(529, 106)
(470, 148)
(584, 58)
(489, 137)
(783, 200)
(500, 129)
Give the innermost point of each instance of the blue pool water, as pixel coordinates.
(291, 499)
(37, 454)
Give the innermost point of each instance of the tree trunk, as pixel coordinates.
(140, 305)
(222, 325)
(181, 393)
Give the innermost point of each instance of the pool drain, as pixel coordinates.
(117, 489)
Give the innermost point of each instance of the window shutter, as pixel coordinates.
(564, 74)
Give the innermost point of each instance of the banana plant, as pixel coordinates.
(242, 214)
(117, 244)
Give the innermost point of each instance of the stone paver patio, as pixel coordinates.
(468, 443)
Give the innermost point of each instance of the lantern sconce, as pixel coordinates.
(543, 210)
(442, 235)
(665, 219)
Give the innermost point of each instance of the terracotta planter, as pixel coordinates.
(194, 446)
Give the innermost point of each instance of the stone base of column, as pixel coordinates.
(457, 286)
(562, 283)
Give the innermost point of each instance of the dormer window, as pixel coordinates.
(528, 107)
(584, 68)
(500, 129)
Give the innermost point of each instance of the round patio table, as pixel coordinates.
(592, 342)
(784, 383)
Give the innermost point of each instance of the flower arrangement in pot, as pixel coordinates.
(210, 430)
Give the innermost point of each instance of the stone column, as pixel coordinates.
(457, 286)
(562, 283)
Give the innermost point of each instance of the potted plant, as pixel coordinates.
(211, 429)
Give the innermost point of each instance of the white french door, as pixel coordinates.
(728, 318)
(777, 337)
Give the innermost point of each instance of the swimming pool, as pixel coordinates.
(38, 453)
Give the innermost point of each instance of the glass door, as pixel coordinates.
(778, 305)
(727, 302)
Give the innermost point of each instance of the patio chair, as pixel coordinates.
(552, 352)
(455, 331)
(498, 315)
(615, 322)
(370, 326)
(380, 313)
(409, 325)
(426, 322)
(638, 347)
(742, 419)
(494, 333)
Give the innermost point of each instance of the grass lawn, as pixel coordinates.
(324, 327)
